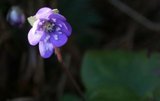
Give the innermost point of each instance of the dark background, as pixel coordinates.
(126, 25)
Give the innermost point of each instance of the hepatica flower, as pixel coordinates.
(16, 16)
(50, 30)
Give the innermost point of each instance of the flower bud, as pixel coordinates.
(16, 16)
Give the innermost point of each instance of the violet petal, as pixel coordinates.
(33, 37)
(46, 49)
(56, 16)
(44, 13)
(64, 26)
(58, 39)
(35, 26)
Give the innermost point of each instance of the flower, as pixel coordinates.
(16, 16)
(50, 31)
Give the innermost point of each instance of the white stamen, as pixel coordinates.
(40, 23)
(55, 37)
(60, 25)
(60, 32)
(49, 46)
(65, 26)
(47, 38)
(53, 24)
(54, 20)
(58, 29)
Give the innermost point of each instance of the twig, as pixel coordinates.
(5, 33)
(135, 15)
(65, 69)
(127, 40)
(62, 82)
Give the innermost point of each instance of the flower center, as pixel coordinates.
(49, 26)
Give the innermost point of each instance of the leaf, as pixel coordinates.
(112, 93)
(31, 20)
(157, 94)
(55, 10)
(69, 97)
(119, 75)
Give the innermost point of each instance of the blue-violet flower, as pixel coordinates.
(50, 31)
(16, 16)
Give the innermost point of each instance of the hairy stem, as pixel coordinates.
(69, 75)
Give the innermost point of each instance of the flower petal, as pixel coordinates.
(65, 27)
(35, 26)
(58, 39)
(56, 16)
(33, 37)
(44, 13)
(46, 49)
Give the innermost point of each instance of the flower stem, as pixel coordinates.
(69, 75)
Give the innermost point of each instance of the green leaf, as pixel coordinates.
(69, 97)
(157, 94)
(31, 20)
(119, 75)
(112, 93)
(55, 10)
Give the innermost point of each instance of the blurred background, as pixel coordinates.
(113, 52)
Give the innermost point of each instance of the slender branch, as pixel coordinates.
(67, 72)
(63, 79)
(135, 15)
